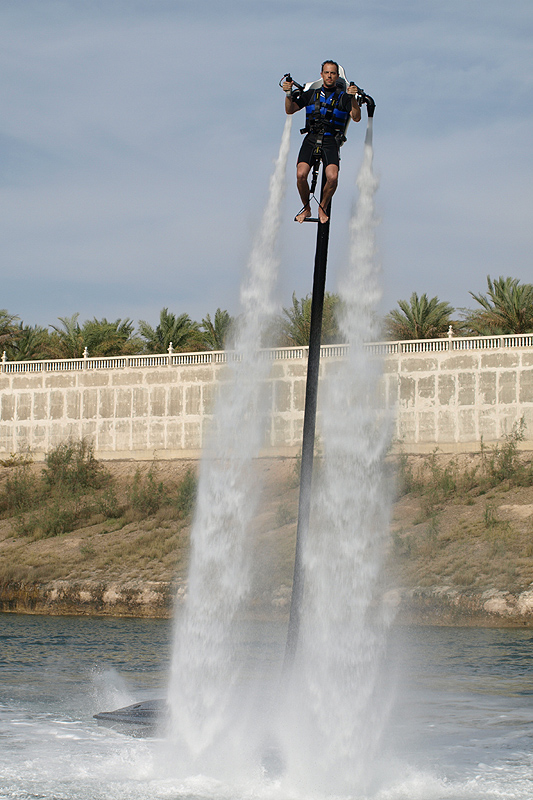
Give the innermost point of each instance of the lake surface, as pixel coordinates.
(461, 725)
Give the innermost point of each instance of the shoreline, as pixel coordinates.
(444, 606)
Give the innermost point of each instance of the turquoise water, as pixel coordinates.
(461, 725)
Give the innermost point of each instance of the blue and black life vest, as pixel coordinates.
(324, 116)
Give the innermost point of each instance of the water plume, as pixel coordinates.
(204, 673)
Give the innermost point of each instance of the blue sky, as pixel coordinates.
(137, 139)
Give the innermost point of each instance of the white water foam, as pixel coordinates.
(204, 674)
(335, 715)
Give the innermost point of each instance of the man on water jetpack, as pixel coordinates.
(329, 108)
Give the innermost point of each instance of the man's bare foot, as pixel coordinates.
(304, 213)
(322, 216)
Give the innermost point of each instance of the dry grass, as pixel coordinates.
(139, 542)
(465, 522)
(452, 527)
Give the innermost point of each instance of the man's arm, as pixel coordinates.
(355, 111)
(290, 106)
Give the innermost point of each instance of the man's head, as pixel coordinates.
(330, 73)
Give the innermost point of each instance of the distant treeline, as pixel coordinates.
(506, 307)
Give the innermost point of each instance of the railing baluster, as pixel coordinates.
(405, 347)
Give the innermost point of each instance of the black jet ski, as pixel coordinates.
(140, 719)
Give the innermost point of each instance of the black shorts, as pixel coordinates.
(330, 150)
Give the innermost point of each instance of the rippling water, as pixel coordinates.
(461, 727)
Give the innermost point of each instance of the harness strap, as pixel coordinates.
(316, 113)
(329, 104)
(325, 113)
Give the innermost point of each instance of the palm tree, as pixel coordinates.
(68, 339)
(419, 318)
(181, 331)
(100, 337)
(29, 342)
(104, 338)
(8, 330)
(506, 308)
(215, 333)
(295, 323)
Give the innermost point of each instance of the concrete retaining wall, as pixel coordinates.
(454, 400)
(139, 413)
(445, 399)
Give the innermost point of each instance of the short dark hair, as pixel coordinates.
(329, 62)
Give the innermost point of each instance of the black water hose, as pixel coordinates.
(365, 98)
(370, 104)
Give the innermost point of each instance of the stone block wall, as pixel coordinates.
(447, 399)
(139, 413)
(453, 400)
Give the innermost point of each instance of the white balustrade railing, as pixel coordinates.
(172, 359)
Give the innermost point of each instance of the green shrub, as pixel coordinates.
(468, 479)
(185, 498)
(60, 517)
(64, 491)
(406, 480)
(146, 495)
(504, 462)
(21, 491)
(108, 505)
(25, 525)
(72, 465)
(57, 516)
(444, 479)
(73, 487)
(502, 467)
